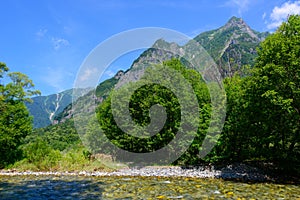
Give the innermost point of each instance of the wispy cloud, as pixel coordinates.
(58, 78)
(41, 33)
(264, 15)
(241, 5)
(55, 77)
(110, 73)
(56, 42)
(59, 42)
(280, 14)
(88, 74)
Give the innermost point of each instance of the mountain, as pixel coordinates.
(101, 92)
(231, 46)
(45, 108)
(156, 54)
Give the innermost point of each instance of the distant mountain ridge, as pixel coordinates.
(98, 95)
(231, 46)
(45, 108)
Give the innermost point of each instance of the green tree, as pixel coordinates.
(263, 109)
(15, 122)
(140, 111)
(272, 97)
(231, 144)
(262, 120)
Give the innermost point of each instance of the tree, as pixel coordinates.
(15, 121)
(263, 119)
(148, 95)
(231, 146)
(273, 95)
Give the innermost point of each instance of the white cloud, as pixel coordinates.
(41, 33)
(241, 5)
(88, 74)
(280, 14)
(59, 42)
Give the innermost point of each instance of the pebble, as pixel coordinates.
(239, 171)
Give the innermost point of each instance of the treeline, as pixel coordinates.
(262, 118)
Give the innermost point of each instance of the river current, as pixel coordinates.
(114, 187)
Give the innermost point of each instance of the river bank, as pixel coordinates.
(238, 172)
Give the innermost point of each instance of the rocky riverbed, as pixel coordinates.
(234, 171)
(142, 183)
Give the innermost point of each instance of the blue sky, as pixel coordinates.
(49, 39)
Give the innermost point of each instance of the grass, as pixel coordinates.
(72, 161)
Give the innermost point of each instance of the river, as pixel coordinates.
(114, 187)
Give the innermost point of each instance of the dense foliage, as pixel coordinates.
(263, 109)
(140, 110)
(15, 122)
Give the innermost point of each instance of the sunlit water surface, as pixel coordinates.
(79, 187)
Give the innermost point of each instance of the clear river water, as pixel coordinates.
(81, 187)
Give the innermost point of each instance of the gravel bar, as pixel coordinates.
(235, 171)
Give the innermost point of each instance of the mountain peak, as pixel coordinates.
(234, 19)
(160, 42)
(234, 41)
(239, 24)
(236, 22)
